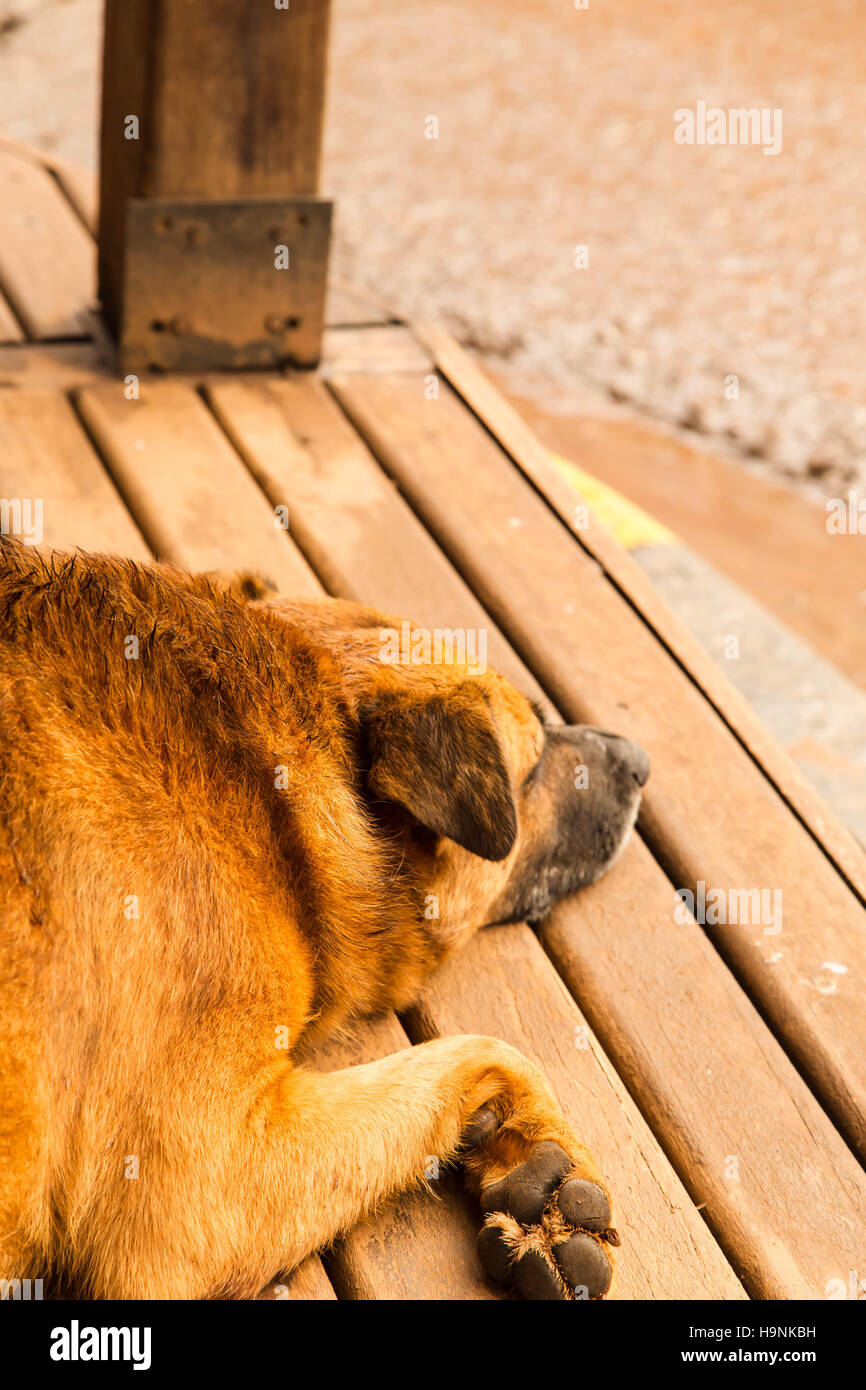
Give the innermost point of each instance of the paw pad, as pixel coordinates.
(584, 1204)
(526, 1191)
(546, 1232)
(584, 1264)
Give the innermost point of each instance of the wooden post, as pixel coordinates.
(213, 245)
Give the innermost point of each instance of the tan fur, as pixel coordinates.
(161, 1040)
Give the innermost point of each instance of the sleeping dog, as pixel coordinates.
(227, 827)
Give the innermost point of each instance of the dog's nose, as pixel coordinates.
(629, 753)
(638, 762)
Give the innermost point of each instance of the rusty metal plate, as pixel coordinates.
(218, 285)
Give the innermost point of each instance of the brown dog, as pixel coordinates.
(228, 827)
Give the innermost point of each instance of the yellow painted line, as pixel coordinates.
(630, 524)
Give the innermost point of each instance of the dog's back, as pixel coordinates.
(139, 906)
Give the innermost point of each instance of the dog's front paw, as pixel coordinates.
(547, 1229)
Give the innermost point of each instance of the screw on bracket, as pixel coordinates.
(275, 323)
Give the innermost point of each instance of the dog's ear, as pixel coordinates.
(440, 758)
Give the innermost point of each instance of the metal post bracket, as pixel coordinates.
(213, 285)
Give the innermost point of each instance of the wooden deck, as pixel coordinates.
(718, 1073)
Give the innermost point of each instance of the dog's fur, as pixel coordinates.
(211, 853)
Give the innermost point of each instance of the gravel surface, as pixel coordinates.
(556, 130)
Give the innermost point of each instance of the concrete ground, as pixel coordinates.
(770, 540)
(814, 711)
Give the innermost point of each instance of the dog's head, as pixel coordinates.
(498, 813)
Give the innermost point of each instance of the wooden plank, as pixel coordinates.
(45, 454)
(187, 489)
(784, 1195)
(299, 446)
(58, 365)
(345, 511)
(80, 185)
(376, 348)
(519, 441)
(10, 329)
(709, 814)
(47, 259)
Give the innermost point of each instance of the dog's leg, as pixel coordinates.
(330, 1146)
